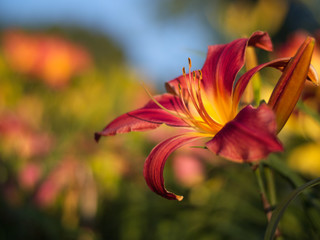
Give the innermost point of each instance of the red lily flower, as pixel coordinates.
(206, 102)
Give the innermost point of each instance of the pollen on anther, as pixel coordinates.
(184, 71)
(200, 74)
(189, 60)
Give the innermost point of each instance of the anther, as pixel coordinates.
(200, 74)
(189, 60)
(194, 75)
(184, 71)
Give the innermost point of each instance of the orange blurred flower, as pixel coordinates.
(52, 59)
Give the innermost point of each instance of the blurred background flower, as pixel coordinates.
(69, 67)
(51, 59)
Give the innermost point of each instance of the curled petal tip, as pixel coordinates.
(261, 40)
(97, 137)
(179, 198)
(170, 89)
(154, 164)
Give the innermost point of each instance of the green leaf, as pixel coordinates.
(281, 167)
(279, 211)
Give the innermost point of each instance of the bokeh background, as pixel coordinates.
(67, 68)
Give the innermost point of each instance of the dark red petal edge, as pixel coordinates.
(149, 117)
(154, 164)
(251, 136)
(223, 62)
(124, 124)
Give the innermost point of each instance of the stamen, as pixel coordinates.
(187, 112)
(210, 121)
(162, 107)
(197, 124)
(206, 115)
(194, 75)
(200, 74)
(192, 91)
(184, 72)
(199, 79)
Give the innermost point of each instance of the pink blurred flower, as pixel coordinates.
(72, 182)
(188, 170)
(19, 138)
(30, 175)
(57, 179)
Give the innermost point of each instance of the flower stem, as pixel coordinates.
(257, 169)
(271, 186)
(257, 172)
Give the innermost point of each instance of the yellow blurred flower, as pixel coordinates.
(108, 169)
(244, 17)
(306, 159)
(30, 109)
(101, 94)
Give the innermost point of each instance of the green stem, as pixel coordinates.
(271, 186)
(266, 204)
(262, 189)
(279, 211)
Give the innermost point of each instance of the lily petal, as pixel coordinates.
(251, 136)
(246, 77)
(149, 117)
(289, 87)
(279, 64)
(154, 165)
(173, 85)
(222, 64)
(225, 61)
(124, 124)
(166, 100)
